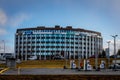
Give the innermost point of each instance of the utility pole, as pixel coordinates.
(108, 53)
(115, 50)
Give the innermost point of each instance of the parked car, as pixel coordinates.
(32, 58)
(112, 66)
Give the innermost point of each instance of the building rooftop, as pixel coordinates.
(57, 27)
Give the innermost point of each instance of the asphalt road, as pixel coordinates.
(57, 71)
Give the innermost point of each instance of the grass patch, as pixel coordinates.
(3, 66)
(57, 63)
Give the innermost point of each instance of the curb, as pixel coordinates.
(3, 70)
(39, 67)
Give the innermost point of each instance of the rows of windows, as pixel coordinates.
(56, 48)
(38, 36)
(54, 52)
(55, 43)
(55, 38)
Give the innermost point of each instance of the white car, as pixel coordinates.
(32, 58)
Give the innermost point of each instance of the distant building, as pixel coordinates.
(45, 42)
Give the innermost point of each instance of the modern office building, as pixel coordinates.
(45, 42)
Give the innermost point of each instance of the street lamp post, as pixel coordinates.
(4, 46)
(115, 50)
(108, 53)
(96, 53)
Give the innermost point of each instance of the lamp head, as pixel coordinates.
(116, 35)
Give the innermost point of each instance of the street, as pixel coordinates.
(57, 71)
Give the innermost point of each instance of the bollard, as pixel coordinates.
(18, 70)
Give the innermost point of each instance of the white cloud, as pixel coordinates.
(13, 20)
(17, 19)
(8, 22)
(3, 17)
(8, 49)
(3, 31)
(112, 46)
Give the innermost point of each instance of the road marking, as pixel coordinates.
(3, 70)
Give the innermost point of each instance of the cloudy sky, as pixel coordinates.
(99, 15)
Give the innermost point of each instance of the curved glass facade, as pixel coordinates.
(46, 42)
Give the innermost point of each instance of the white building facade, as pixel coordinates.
(45, 42)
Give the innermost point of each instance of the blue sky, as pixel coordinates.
(99, 15)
